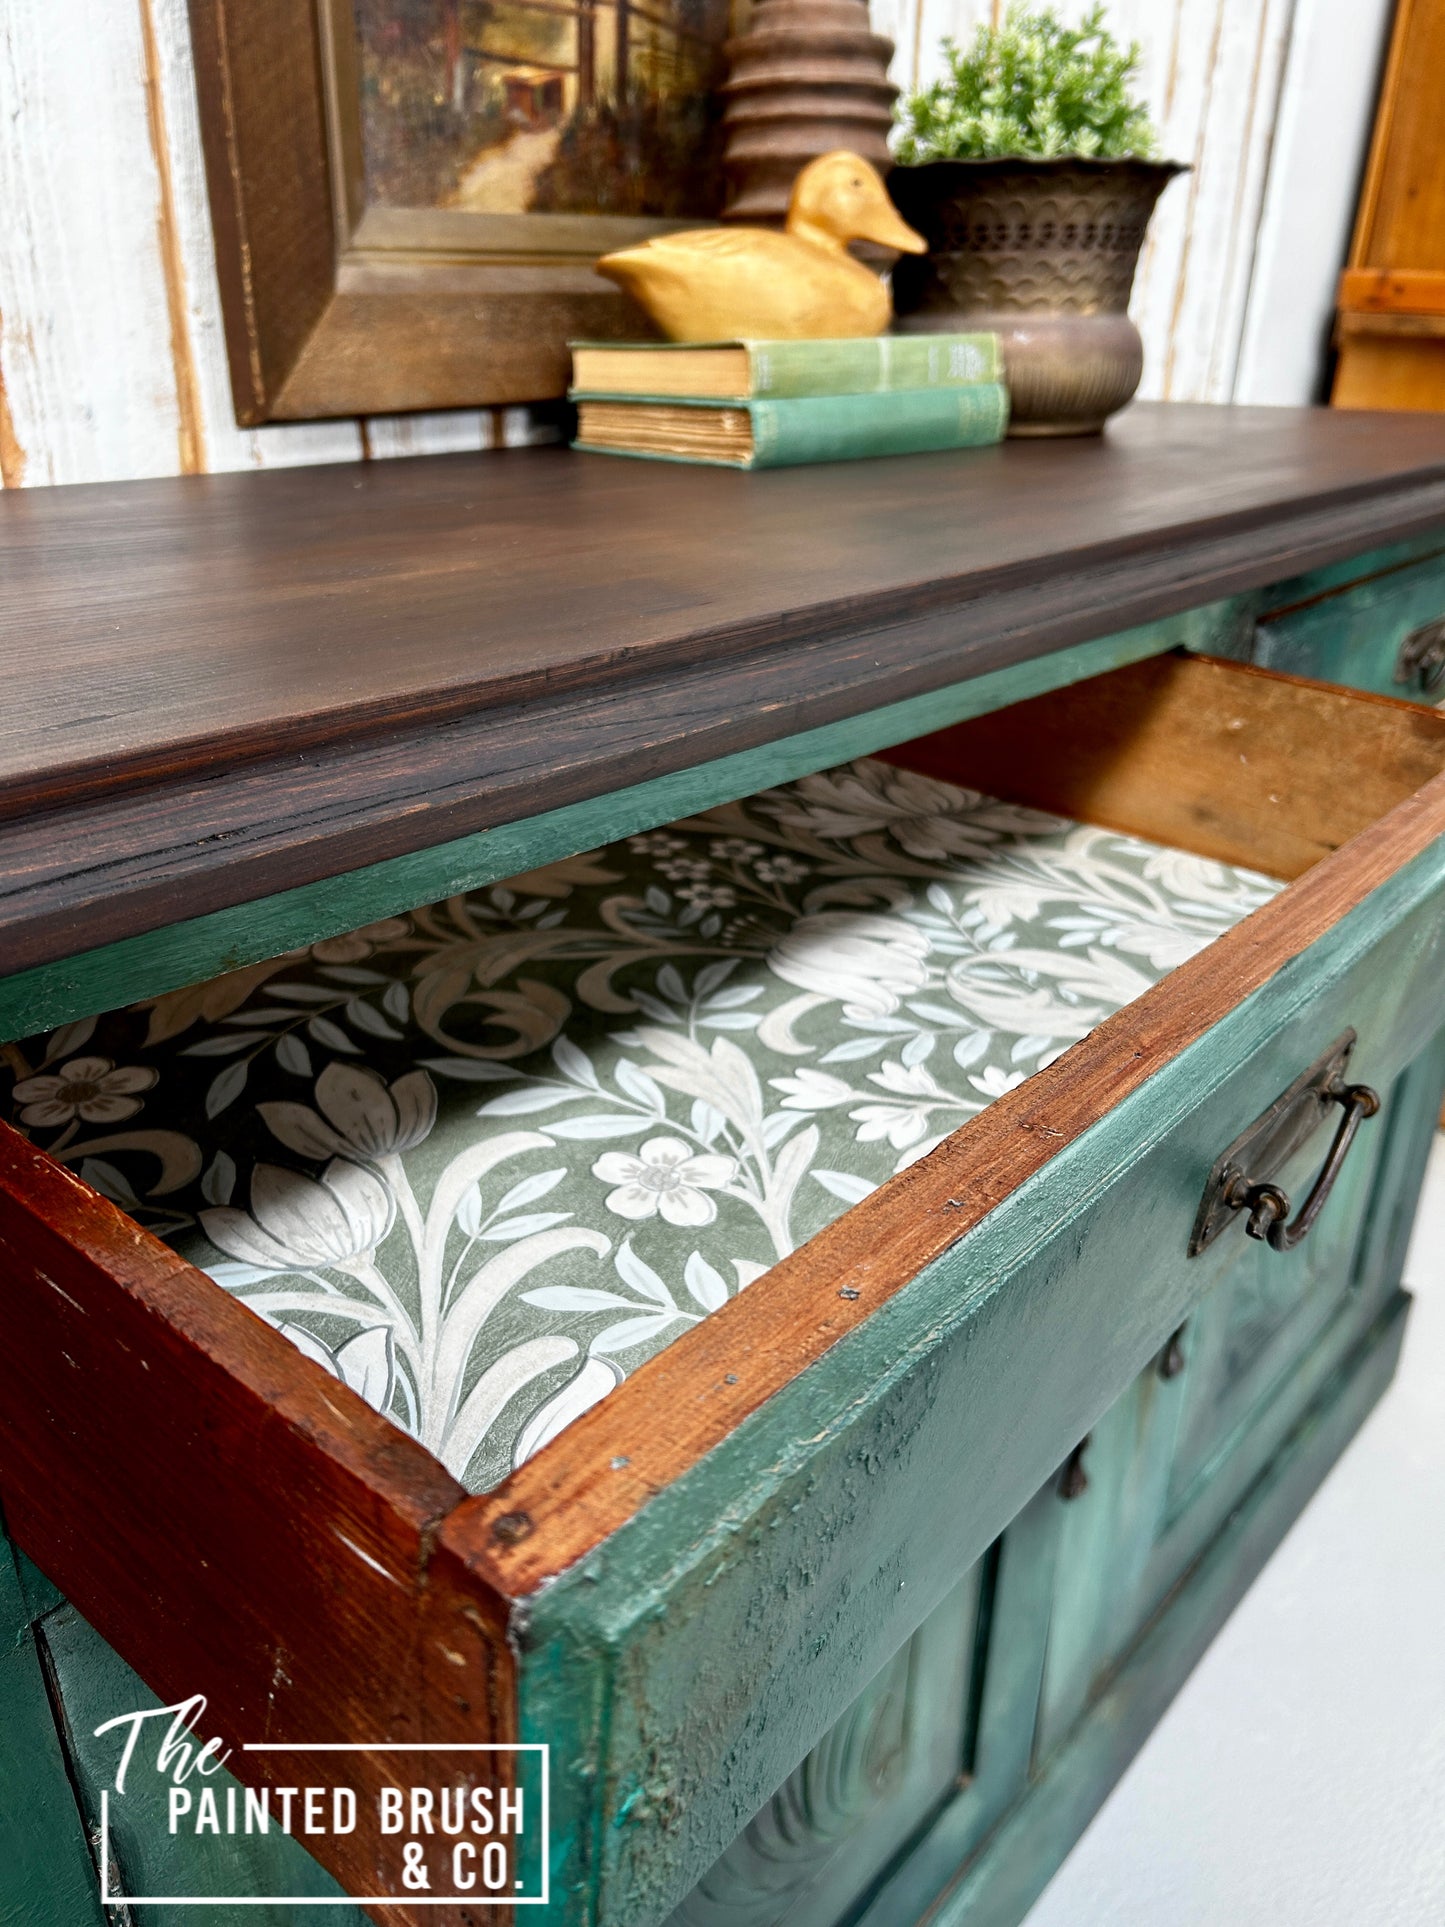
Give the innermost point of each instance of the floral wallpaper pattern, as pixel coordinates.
(483, 1160)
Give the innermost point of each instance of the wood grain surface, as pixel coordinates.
(1233, 762)
(324, 667)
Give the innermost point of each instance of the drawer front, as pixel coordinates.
(1384, 633)
(930, 1427)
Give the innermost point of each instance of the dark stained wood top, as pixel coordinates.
(316, 668)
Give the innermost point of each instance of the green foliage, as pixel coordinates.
(1030, 87)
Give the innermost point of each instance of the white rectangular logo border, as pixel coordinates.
(543, 1899)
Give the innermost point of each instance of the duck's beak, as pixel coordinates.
(883, 224)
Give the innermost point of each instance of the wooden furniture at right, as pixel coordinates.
(1391, 329)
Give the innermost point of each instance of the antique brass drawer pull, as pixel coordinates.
(1269, 1207)
(1243, 1178)
(1422, 656)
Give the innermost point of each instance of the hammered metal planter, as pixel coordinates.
(1042, 252)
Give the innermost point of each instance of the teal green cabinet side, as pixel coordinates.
(47, 1877)
(1000, 1885)
(202, 947)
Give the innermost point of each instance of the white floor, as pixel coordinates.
(1299, 1778)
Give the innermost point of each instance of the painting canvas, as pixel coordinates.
(581, 107)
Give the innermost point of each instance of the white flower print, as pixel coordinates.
(906, 1121)
(810, 1090)
(864, 962)
(1045, 993)
(709, 896)
(713, 1037)
(780, 869)
(296, 1222)
(667, 1178)
(933, 821)
(996, 1081)
(92, 1088)
(656, 843)
(367, 1362)
(362, 1114)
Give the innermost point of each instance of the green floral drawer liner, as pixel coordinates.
(483, 1160)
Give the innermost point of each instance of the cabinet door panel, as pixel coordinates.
(872, 1779)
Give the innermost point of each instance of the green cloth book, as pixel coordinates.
(795, 430)
(750, 370)
(783, 434)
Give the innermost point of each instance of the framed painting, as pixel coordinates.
(409, 196)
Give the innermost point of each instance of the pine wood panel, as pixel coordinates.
(1392, 295)
(1236, 763)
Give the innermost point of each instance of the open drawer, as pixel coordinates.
(685, 1589)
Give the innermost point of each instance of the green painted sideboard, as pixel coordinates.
(878, 1653)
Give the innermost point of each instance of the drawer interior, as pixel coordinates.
(1231, 762)
(484, 1160)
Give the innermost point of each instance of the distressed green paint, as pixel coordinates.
(1373, 1278)
(1010, 1659)
(46, 1876)
(883, 1770)
(1352, 569)
(810, 1542)
(1353, 636)
(1028, 1849)
(95, 1685)
(201, 947)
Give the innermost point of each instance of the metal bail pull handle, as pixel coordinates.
(1268, 1205)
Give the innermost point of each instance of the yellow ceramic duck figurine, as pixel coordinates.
(751, 284)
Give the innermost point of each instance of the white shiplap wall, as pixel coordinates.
(112, 361)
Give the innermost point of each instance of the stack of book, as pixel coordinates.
(773, 404)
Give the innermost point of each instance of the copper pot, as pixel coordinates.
(1042, 253)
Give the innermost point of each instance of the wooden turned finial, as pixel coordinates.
(807, 77)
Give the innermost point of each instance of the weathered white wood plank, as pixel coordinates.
(1235, 112)
(446, 432)
(86, 348)
(1327, 107)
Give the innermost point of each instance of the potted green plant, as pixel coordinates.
(1030, 168)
